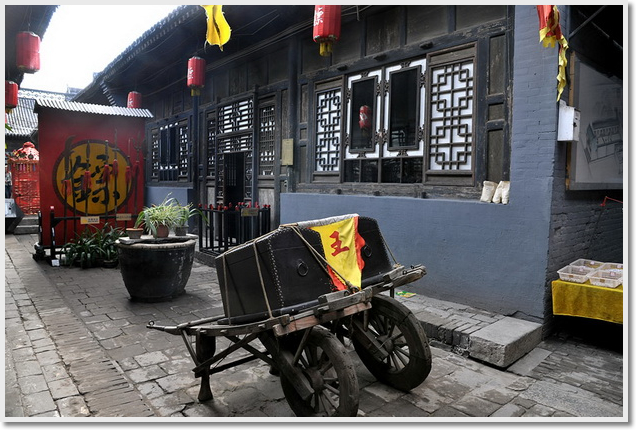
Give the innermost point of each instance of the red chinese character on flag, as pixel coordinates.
(337, 244)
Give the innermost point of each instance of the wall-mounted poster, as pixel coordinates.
(597, 158)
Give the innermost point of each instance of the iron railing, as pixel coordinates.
(229, 226)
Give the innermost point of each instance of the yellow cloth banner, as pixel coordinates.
(549, 34)
(589, 301)
(342, 245)
(218, 32)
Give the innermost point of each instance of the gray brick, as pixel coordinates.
(73, 407)
(38, 403)
(32, 384)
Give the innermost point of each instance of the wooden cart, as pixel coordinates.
(304, 343)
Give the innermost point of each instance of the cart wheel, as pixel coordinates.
(326, 365)
(408, 355)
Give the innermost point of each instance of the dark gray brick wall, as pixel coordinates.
(580, 227)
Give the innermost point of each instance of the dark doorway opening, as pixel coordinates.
(234, 184)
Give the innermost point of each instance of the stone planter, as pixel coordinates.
(156, 270)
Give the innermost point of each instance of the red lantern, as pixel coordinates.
(326, 26)
(10, 95)
(365, 118)
(134, 100)
(27, 52)
(196, 74)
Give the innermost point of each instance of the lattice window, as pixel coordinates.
(238, 143)
(237, 116)
(154, 148)
(235, 134)
(183, 150)
(328, 127)
(211, 148)
(267, 128)
(451, 117)
(170, 152)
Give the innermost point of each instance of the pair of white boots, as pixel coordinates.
(496, 193)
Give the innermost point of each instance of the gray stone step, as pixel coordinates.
(28, 225)
(26, 229)
(29, 220)
(495, 339)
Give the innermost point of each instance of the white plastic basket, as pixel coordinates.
(611, 266)
(606, 278)
(578, 274)
(587, 263)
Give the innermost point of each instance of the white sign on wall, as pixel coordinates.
(597, 158)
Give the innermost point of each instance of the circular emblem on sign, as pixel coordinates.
(90, 177)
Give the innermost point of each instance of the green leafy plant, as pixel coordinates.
(186, 212)
(92, 245)
(83, 250)
(167, 213)
(106, 238)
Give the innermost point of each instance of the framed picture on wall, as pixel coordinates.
(596, 160)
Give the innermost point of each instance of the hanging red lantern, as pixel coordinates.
(10, 95)
(326, 26)
(27, 52)
(134, 100)
(196, 75)
(365, 117)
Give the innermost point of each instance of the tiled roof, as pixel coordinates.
(91, 108)
(22, 119)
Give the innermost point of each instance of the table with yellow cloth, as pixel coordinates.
(587, 300)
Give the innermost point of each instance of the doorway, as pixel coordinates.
(234, 183)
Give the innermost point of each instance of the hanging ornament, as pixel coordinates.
(326, 27)
(196, 75)
(134, 100)
(10, 96)
(218, 30)
(27, 52)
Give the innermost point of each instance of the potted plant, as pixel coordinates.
(106, 239)
(157, 269)
(159, 219)
(93, 247)
(134, 232)
(82, 251)
(185, 213)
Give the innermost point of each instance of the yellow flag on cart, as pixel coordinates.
(342, 245)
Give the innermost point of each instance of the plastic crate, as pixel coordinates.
(587, 263)
(578, 274)
(611, 266)
(606, 278)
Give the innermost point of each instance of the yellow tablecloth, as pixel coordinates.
(589, 301)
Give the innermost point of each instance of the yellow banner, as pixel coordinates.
(342, 245)
(218, 31)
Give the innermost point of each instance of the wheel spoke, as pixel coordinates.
(332, 403)
(325, 366)
(402, 356)
(332, 389)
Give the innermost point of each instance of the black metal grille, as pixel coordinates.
(266, 135)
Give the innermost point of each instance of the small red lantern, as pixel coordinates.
(196, 74)
(10, 95)
(365, 117)
(134, 100)
(326, 26)
(27, 52)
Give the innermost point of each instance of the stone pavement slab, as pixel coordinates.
(80, 327)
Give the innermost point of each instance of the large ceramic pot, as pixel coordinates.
(156, 269)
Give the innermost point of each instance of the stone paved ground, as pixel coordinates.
(76, 346)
